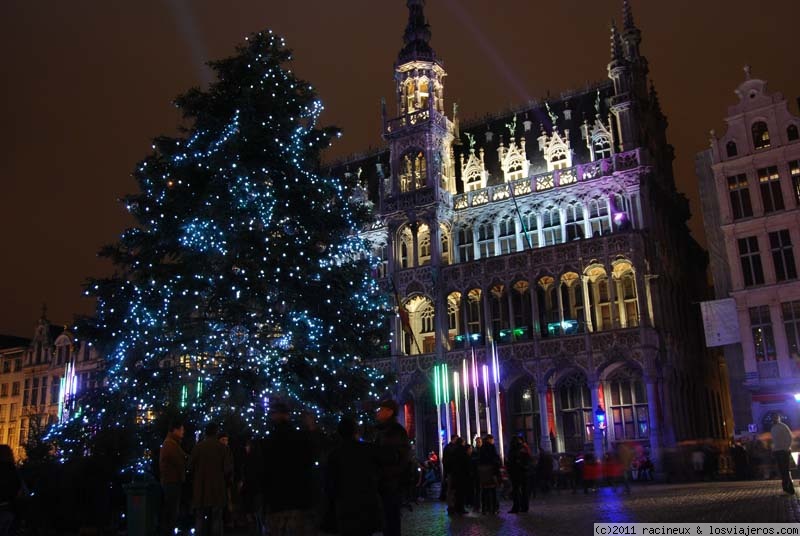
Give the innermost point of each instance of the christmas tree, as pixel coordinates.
(244, 280)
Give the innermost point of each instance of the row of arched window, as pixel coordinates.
(545, 307)
(512, 232)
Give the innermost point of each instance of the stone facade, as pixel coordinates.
(35, 376)
(750, 186)
(553, 237)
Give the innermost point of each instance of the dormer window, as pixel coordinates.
(559, 160)
(760, 135)
(602, 148)
(791, 133)
(731, 149)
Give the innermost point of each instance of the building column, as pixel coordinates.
(656, 441)
(464, 312)
(623, 316)
(476, 250)
(487, 316)
(643, 302)
(541, 392)
(510, 303)
(612, 298)
(560, 299)
(539, 231)
(587, 313)
(414, 260)
(587, 225)
(535, 327)
(520, 232)
(562, 217)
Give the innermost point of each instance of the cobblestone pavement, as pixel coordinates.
(567, 514)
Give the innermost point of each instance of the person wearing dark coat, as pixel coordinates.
(209, 466)
(395, 452)
(10, 486)
(519, 461)
(458, 478)
(251, 488)
(172, 470)
(288, 475)
(489, 475)
(352, 483)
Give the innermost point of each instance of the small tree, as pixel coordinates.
(244, 279)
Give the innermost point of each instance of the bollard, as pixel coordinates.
(143, 507)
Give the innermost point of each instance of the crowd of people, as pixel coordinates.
(281, 486)
(298, 481)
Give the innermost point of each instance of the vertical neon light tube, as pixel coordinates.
(475, 392)
(456, 396)
(446, 400)
(496, 369)
(437, 394)
(486, 395)
(465, 378)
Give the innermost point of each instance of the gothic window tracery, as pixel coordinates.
(556, 149)
(424, 241)
(466, 248)
(599, 219)
(551, 226)
(474, 307)
(574, 221)
(531, 222)
(486, 240)
(507, 235)
(627, 299)
(413, 171)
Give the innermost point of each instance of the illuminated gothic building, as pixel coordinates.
(553, 238)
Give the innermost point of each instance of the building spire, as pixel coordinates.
(627, 16)
(416, 38)
(617, 57)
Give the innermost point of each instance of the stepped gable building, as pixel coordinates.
(551, 237)
(750, 190)
(39, 379)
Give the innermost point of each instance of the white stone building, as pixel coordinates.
(750, 186)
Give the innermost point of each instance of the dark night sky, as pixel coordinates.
(88, 83)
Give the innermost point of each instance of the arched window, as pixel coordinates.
(598, 217)
(521, 304)
(549, 315)
(760, 135)
(551, 226)
(571, 303)
(413, 173)
(515, 171)
(474, 307)
(558, 159)
(486, 240)
(599, 300)
(498, 303)
(576, 415)
(424, 241)
(628, 408)
(574, 222)
(445, 240)
(474, 180)
(531, 223)
(626, 294)
(791, 133)
(466, 250)
(525, 414)
(731, 148)
(602, 147)
(507, 235)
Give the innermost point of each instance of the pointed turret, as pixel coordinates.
(631, 36)
(416, 38)
(617, 56)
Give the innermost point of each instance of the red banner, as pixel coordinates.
(551, 413)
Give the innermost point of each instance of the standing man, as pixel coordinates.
(288, 476)
(208, 467)
(172, 469)
(392, 439)
(782, 450)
